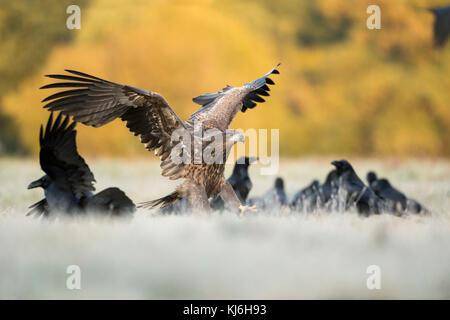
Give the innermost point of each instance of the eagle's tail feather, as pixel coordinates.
(164, 201)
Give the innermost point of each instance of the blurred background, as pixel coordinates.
(343, 89)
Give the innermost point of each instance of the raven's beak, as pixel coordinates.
(335, 163)
(35, 184)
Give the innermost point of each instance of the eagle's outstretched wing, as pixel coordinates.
(219, 109)
(59, 158)
(97, 102)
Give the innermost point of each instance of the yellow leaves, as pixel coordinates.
(412, 133)
(177, 50)
(342, 88)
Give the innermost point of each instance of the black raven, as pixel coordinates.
(316, 196)
(352, 191)
(328, 190)
(273, 198)
(306, 199)
(68, 183)
(239, 180)
(394, 199)
(441, 25)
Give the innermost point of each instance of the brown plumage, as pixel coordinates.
(96, 102)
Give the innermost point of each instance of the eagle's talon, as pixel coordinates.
(247, 208)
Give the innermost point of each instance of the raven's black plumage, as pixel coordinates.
(274, 198)
(441, 28)
(352, 191)
(329, 189)
(306, 198)
(239, 180)
(111, 200)
(316, 196)
(395, 200)
(69, 183)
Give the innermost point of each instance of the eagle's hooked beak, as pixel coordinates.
(35, 184)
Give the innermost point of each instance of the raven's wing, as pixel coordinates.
(59, 157)
(38, 209)
(219, 109)
(97, 102)
(361, 194)
(110, 201)
(386, 191)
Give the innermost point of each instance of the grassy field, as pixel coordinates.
(271, 256)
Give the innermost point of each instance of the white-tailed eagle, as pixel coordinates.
(95, 102)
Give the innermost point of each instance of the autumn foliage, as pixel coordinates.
(343, 89)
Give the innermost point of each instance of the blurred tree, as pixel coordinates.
(28, 32)
(318, 29)
(343, 89)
